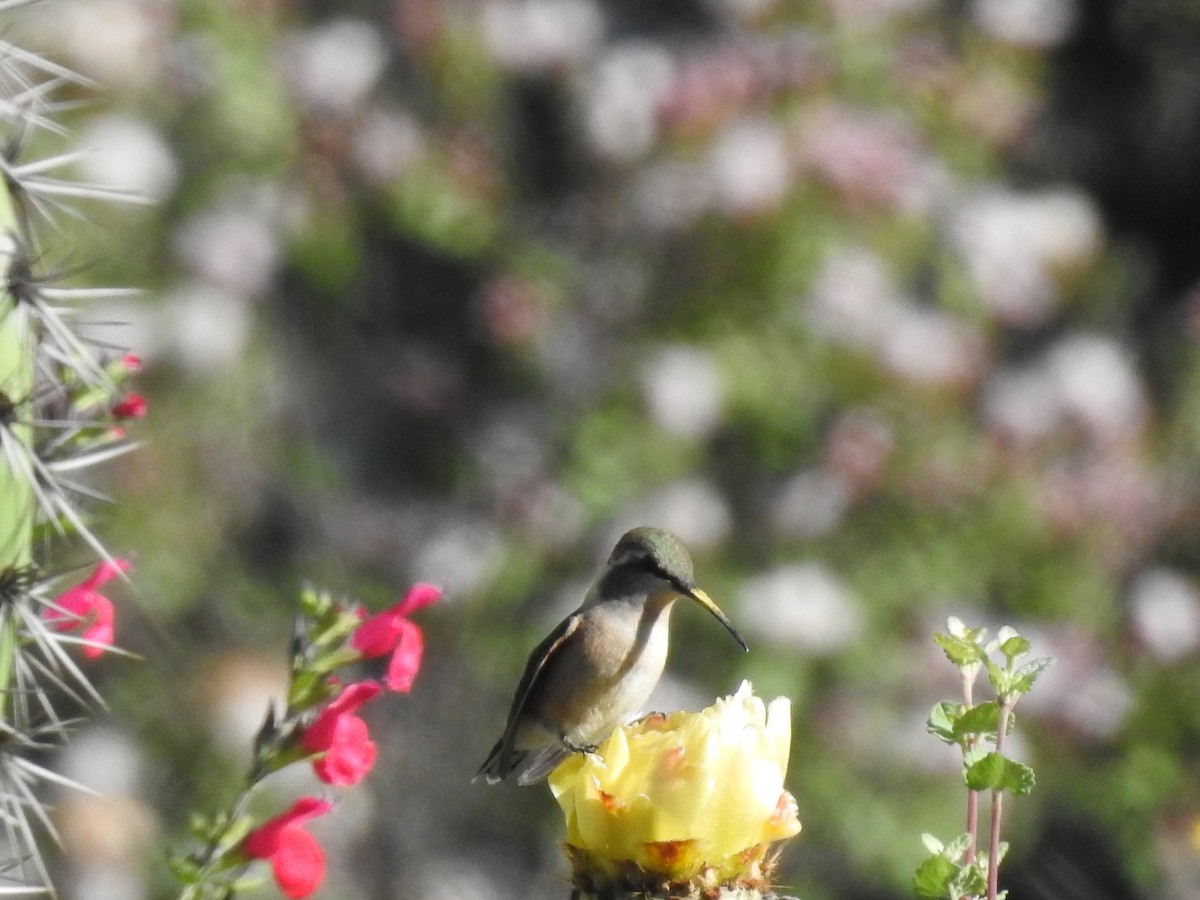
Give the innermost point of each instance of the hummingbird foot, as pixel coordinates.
(656, 718)
(580, 748)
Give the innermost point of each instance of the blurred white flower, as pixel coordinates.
(683, 390)
(120, 43)
(1021, 404)
(128, 153)
(232, 248)
(335, 65)
(236, 690)
(853, 299)
(693, 509)
(208, 326)
(386, 143)
(810, 504)
(1027, 23)
(751, 167)
(535, 35)
(103, 760)
(1164, 612)
(106, 833)
(854, 302)
(1098, 385)
(620, 96)
(459, 557)
(1085, 379)
(1015, 245)
(929, 346)
(802, 606)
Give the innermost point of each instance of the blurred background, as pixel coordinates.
(887, 307)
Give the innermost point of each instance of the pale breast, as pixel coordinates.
(609, 674)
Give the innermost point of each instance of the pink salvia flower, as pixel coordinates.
(131, 407)
(297, 861)
(131, 362)
(83, 606)
(342, 738)
(392, 632)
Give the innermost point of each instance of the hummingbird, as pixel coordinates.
(598, 667)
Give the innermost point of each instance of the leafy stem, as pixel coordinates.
(954, 871)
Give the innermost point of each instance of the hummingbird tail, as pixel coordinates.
(542, 763)
(491, 766)
(498, 764)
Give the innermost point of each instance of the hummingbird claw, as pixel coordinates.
(580, 748)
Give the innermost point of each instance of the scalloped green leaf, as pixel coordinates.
(934, 876)
(1023, 678)
(960, 651)
(942, 721)
(981, 720)
(994, 771)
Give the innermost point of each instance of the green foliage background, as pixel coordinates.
(917, 273)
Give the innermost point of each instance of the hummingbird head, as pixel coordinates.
(652, 551)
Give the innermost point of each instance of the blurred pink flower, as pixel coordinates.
(871, 160)
(391, 632)
(297, 860)
(84, 607)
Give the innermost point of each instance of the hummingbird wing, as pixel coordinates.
(501, 760)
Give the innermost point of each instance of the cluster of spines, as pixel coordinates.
(58, 391)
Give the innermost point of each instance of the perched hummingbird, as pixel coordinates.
(598, 667)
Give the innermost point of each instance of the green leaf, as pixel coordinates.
(1013, 645)
(234, 834)
(998, 676)
(1024, 677)
(997, 772)
(313, 602)
(933, 877)
(943, 720)
(960, 651)
(249, 882)
(981, 720)
(970, 881)
(974, 754)
(957, 848)
(183, 869)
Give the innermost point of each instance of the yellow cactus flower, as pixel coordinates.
(683, 797)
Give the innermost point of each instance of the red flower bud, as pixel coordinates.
(131, 407)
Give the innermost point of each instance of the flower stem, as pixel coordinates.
(968, 683)
(993, 874)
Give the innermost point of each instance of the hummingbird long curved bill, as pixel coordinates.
(596, 670)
